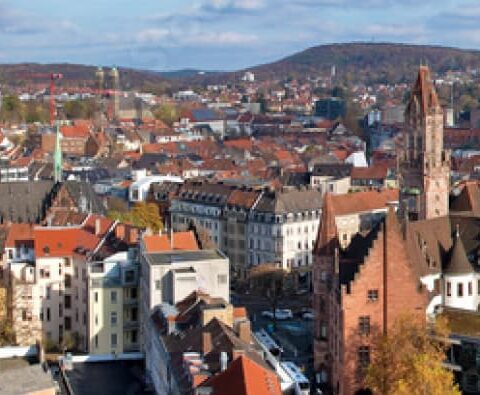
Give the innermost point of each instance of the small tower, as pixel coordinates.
(100, 80)
(424, 165)
(57, 157)
(115, 77)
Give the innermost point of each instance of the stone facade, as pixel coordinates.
(424, 164)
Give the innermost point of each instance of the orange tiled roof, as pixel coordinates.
(244, 144)
(374, 172)
(91, 223)
(18, 232)
(80, 130)
(181, 241)
(60, 242)
(363, 201)
(239, 312)
(244, 377)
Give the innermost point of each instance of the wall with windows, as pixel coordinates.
(463, 291)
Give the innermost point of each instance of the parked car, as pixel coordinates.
(307, 316)
(280, 314)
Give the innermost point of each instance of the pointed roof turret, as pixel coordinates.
(327, 235)
(458, 262)
(424, 92)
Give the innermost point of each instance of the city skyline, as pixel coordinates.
(219, 34)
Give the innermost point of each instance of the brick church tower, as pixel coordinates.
(424, 165)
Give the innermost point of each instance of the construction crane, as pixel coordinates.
(53, 77)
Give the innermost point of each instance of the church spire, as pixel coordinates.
(424, 166)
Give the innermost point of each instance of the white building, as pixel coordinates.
(283, 227)
(138, 190)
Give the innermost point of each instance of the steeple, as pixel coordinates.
(57, 157)
(458, 262)
(424, 165)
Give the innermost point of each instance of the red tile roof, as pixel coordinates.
(18, 232)
(80, 130)
(357, 202)
(91, 223)
(244, 377)
(369, 173)
(63, 242)
(243, 144)
(181, 241)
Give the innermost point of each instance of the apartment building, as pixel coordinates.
(47, 269)
(113, 304)
(252, 226)
(283, 227)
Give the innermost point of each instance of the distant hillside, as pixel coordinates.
(367, 62)
(370, 62)
(391, 61)
(25, 74)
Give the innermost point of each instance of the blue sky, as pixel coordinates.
(219, 34)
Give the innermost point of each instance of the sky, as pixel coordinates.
(219, 34)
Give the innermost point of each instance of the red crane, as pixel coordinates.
(53, 78)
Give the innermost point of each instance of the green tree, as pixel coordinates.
(167, 113)
(36, 112)
(12, 109)
(408, 360)
(80, 109)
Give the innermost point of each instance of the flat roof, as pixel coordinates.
(172, 257)
(22, 378)
(107, 378)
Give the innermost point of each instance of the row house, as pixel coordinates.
(251, 226)
(283, 227)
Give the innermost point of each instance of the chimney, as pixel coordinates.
(120, 231)
(244, 331)
(98, 226)
(206, 342)
(237, 353)
(223, 361)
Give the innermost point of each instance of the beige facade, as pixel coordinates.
(350, 224)
(113, 317)
(336, 186)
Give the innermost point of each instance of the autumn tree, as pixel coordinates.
(167, 113)
(144, 215)
(408, 360)
(270, 283)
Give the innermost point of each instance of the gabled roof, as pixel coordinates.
(363, 201)
(423, 92)
(63, 242)
(244, 377)
(161, 243)
(19, 232)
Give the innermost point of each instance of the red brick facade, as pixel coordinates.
(384, 287)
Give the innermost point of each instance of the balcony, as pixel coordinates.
(130, 302)
(130, 324)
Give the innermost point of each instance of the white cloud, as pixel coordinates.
(221, 38)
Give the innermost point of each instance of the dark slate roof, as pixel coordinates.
(295, 179)
(85, 197)
(336, 170)
(25, 201)
(458, 262)
(203, 192)
(290, 201)
(149, 161)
